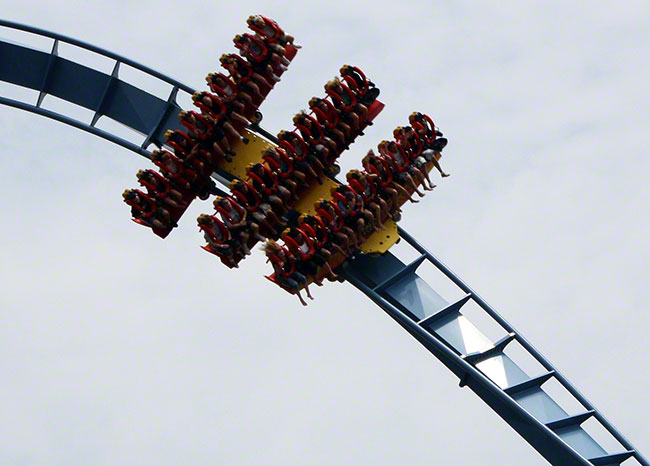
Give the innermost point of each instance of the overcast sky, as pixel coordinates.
(119, 348)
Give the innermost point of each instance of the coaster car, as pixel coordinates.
(291, 171)
(369, 197)
(185, 174)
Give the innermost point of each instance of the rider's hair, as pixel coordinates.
(271, 247)
(204, 219)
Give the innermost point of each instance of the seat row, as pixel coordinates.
(209, 134)
(311, 250)
(259, 205)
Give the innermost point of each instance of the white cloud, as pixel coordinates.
(121, 348)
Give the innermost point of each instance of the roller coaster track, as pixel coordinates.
(481, 364)
(105, 95)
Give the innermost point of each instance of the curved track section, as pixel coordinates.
(104, 94)
(481, 364)
(484, 365)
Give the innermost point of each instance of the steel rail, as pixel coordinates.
(98, 50)
(525, 343)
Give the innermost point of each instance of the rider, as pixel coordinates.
(302, 244)
(260, 211)
(266, 183)
(400, 163)
(425, 127)
(299, 150)
(368, 192)
(302, 250)
(173, 168)
(160, 188)
(315, 227)
(387, 195)
(201, 127)
(408, 139)
(270, 31)
(357, 82)
(236, 220)
(181, 142)
(332, 216)
(260, 56)
(354, 212)
(358, 77)
(285, 270)
(431, 137)
(412, 144)
(213, 106)
(198, 127)
(218, 237)
(314, 135)
(380, 167)
(282, 166)
(241, 77)
(240, 69)
(145, 209)
(226, 88)
(347, 104)
(256, 51)
(199, 153)
(328, 118)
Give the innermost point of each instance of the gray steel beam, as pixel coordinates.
(103, 94)
(552, 447)
(526, 344)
